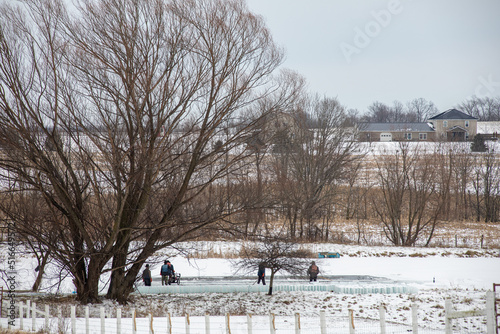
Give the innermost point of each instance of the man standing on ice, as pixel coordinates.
(261, 273)
(313, 272)
(146, 276)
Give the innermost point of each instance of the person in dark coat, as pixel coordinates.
(146, 276)
(167, 273)
(313, 272)
(261, 274)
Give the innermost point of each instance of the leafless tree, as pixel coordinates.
(277, 254)
(462, 166)
(419, 110)
(355, 195)
(352, 117)
(486, 185)
(267, 114)
(410, 199)
(379, 112)
(308, 169)
(416, 110)
(34, 226)
(485, 109)
(398, 112)
(129, 96)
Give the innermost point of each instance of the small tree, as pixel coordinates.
(478, 144)
(276, 254)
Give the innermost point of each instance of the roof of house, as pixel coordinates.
(457, 129)
(452, 114)
(395, 127)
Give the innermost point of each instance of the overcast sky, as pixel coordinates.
(363, 51)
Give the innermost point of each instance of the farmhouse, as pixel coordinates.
(451, 125)
(454, 125)
(395, 132)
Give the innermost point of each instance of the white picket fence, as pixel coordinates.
(33, 319)
(489, 312)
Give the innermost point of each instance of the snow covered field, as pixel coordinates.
(461, 274)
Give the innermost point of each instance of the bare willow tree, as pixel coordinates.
(413, 191)
(309, 168)
(110, 110)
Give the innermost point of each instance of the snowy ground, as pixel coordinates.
(461, 274)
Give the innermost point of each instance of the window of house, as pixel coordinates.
(445, 124)
(408, 136)
(422, 136)
(466, 124)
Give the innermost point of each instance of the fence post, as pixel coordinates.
(21, 312)
(249, 323)
(28, 309)
(87, 316)
(447, 320)
(207, 323)
(490, 313)
(150, 318)
(351, 321)
(414, 317)
(228, 326)
(188, 324)
(169, 324)
(73, 319)
(297, 323)
(272, 324)
(119, 320)
(33, 317)
(103, 320)
(134, 325)
(322, 321)
(60, 319)
(381, 311)
(47, 317)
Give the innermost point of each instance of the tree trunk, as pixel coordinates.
(41, 270)
(122, 283)
(122, 289)
(119, 263)
(270, 290)
(260, 216)
(87, 285)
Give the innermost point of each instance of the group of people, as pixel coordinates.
(167, 273)
(312, 271)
